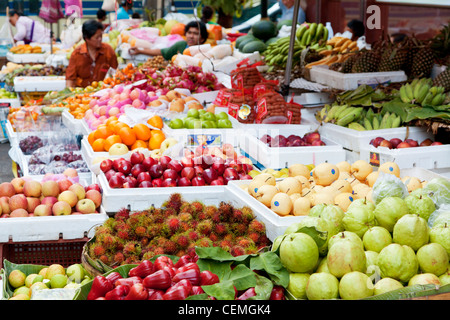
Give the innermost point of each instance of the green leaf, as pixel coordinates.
(223, 290)
(242, 277)
(263, 288)
(270, 263)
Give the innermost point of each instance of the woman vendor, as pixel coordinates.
(91, 60)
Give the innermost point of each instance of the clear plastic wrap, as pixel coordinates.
(438, 189)
(440, 216)
(388, 185)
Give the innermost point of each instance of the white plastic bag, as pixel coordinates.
(109, 5)
(388, 185)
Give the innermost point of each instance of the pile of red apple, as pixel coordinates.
(396, 143)
(24, 197)
(309, 139)
(161, 280)
(193, 169)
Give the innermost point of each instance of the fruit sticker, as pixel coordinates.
(244, 111)
(233, 110)
(194, 140)
(375, 159)
(222, 99)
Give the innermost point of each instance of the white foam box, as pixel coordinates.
(421, 173)
(351, 81)
(430, 157)
(50, 227)
(76, 126)
(275, 224)
(13, 103)
(26, 57)
(39, 84)
(264, 156)
(354, 140)
(215, 137)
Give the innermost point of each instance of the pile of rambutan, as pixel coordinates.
(176, 229)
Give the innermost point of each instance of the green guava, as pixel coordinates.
(389, 210)
(371, 258)
(323, 225)
(345, 235)
(421, 205)
(329, 212)
(359, 219)
(424, 279)
(376, 238)
(322, 266)
(440, 217)
(388, 186)
(297, 284)
(344, 257)
(445, 278)
(385, 285)
(441, 234)
(362, 202)
(398, 262)
(299, 252)
(355, 285)
(433, 258)
(438, 189)
(411, 230)
(322, 286)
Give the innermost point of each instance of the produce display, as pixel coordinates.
(177, 228)
(309, 139)
(397, 143)
(25, 49)
(196, 119)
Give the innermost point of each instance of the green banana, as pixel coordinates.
(304, 37)
(422, 93)
(375, 123)
(319, 32)
(428, 98)
(325, 35)
(350, 117)
(340, 110)
(438, 99)
(345, 112)
(331, 113)
(415, 82)
(384, 120)
(396, 122)
(300, 31)
(356, 126)
(403, 95)
(367, 124)
(409, 91)
(313, 28)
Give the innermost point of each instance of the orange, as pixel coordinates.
(119, 125)
(110, 120)
(98, 145)
(156, 122)
(127, 135)
(103, 132)
(156, 140)
(142, 131)
(139, 144)
(91, 137)
(112, 139)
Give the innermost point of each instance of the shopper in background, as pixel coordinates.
(356, 27)
(207, 15)
(287, 10)
(91, 60)
(125, 7)
(196, 34)
(28, 30)
(101, 17)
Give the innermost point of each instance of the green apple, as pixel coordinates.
(221, 115)
(75, 272)
(176, 123)
(201, 111)
(208, 124)
(187, 121)
(224, 123)
(193, 113)
(58, 281)
(208, 116)
(196, 124)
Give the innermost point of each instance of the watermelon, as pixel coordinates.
(245, 41)
(264, 30)
(286, 22)
(243, 38)
(252, 46)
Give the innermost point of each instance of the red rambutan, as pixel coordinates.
(225, 245)
(204, 242)
(257, 226)
(213, 237)
(205, 227)
(248, 214)
(197, 206)
(170, 247)
(109, 241)
(238, 229)
(210, 210)
(237, 251)
(220, 229)
(175, 202)
(122, 214)
(140, 231)
(184, 226)
(181, 240)
(254, 236)
(192, 235)
(245, 242)
(131, 248)
(173, 223)
(226, 211)
(228, 237)
(97, 250)
(185, 216)
(105, 259)
(119, 257)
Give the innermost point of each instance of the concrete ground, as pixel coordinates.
(6, 173)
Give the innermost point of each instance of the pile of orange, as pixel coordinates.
(138, 136)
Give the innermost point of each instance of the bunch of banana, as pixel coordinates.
(422, 92)
(277, 52)
(342, 45)
(311, 33)
(341, 115)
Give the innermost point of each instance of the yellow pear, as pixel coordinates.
(371, 178)
(342, 185)
(360, 190)
(321, 198)
(303, 180)
(281, 204)
(343, 200)
(412, 183)
(344, 166)
(265, 194)
(391, 168)
(299, 170)
(360, 169)
(325, 174)
(344, 175)
(290, 186)
(301, 206)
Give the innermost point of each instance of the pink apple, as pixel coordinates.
(49, 201)
(18, 213)
(200, 150)
(386, 143)
(79, 190)
(61, 208)
(93, 186)
(64, 184)
(85, 206)
(32, 204)
(436, 143)
(50, 188)
(95, 196)
(412, 143)
(18, 201)
(68, 196)
(4, 205)
(7, 189)
(43, 210)
(403, 144)
(18, 184)
(32, 188)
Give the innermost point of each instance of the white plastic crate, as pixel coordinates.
(13, 103)
(354, 140)
(421, 173)
(276, 225)
(50, 227)
(431, 157)
(351, 81)
(26, 57)
(39, 84)
(264, 156)
(76, 126)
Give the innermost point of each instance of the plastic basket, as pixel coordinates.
(61, 251)
(39, 84)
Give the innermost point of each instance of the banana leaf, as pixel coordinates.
(415, 291)
(8, 267)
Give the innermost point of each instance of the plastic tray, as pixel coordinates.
(39, 84)
(50, 227)
(76, 126)
(354, 140)
(431, 157)
(264, 156)
(351, 81)
(26, 57)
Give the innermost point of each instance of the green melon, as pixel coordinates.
(245, 41)
(253, 46)
(243, 38)
(264, 30)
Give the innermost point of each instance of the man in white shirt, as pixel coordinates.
(287, 11)
(28, 30)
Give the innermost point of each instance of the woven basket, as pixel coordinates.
(94, 267)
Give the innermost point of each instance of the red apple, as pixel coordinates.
(217, 182)
(64, 184)
(125, 167)
(184, 182)
(198, 170)
(106, 165)
(137, 169)
(247, 167)
(164, 161)
(157, 183)
(116, 181)
(403, 144)
(207, 161)
(188, 172)
(266, 139)
(109, 174)
(245, 176)
(198, 181)
(187, 162)
(130, 182)
(149, 162)
(412, 143)
(146, 184)
(318, 143)
(209, 175)
(310, 137)
(235, 165)
(7, 189)
(143, 176)
(386, 143)
(426, 142)
(169, 183)
(170, 174)
(93, 186)
(18, 201)
(116, 163)
(95, 196)
(137, 157)
(201, 150)
(218, 165)
(228, 149)
(156, 170)
(175, 165)
(436, 143)
(188, 153)
(230, 174)
(49, 201)
(395, 142)
(376, 141)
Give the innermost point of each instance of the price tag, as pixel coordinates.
(233, 110)
(261, 109)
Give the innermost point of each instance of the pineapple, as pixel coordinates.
(367, 62)
(348, 63)
(393, 59)
(422, 63)
(443, 80)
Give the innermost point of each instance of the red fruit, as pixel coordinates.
(196, 290)
(169, 182)
(143, 176)
(247, 294)
(426, 142)
(187, 162)
(171, 270)
(137, 169)
(100, 286)
(412, 143)
(106, 165)
(114, 276)
(386, 144)
(157, 183)
(142, 270)
(198, 181)
(376, 141)
(130, 182)
(311, 137)
(116, 181)
(136, 157)
(395, 142)
(161, 262)
(164, 161)
(185, 259)
(210, 175)
(149, 162)
(155, 294)
(137, 292)
(160, 279)
(184, 182)
(179, 291)
(277, 293)
(403, 144)
(188, 266)
(436, 143)
(175, 165)
(125, 167)
(128, 281)
(118, 293)
(207, 278)
(145, 184)
(193, 275)
(188, 172)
